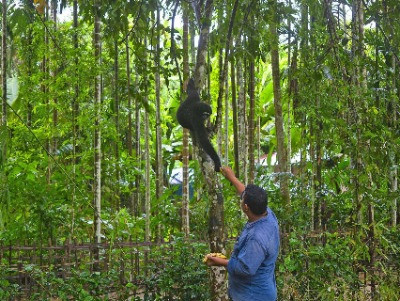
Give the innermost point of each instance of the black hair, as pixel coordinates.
(191, 115)
(256, 198)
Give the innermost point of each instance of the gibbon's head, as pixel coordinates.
(191, 89)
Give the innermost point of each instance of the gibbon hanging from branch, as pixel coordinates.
(191, 115)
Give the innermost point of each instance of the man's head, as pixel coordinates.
(255, 198)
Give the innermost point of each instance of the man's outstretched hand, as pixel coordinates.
(227, 172)
(230, 176)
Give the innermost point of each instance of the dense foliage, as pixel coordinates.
(339, 77)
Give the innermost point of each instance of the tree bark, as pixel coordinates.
(223, 70)
(129, 142)
(97, 133)
(392, 153)
(185, 143)
(251, 121)
(117, 129)
(201, 65)
(280, 134)
(147, 234)
(241, 105)
(138, 153)
(4, 66)
(235, 119)
(75, 113)
(290, 95)
(216, 218)
(3, 121)
(159, 156)
(226, 122)
(53, 70)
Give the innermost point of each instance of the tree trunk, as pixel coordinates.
(4, 196)
(217, 125)
(45, 90)
(117, 129)
(159, 156)
(29, 106)
(235, 119)
(241, 105)
(75, 113)
(54, 136)
(4, 68)
(251, 121)
(280, 134)
(200, 69)
(289, 126)
(147, 234)
(138, 152)
(97, 134)
(223, 64)
(359, 83)
(129, 143)
(392, 153)
(185, 143)
(226, 161)
(216, 218)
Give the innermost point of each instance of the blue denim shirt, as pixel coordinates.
(251, 267)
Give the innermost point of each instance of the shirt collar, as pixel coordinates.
(251, 224)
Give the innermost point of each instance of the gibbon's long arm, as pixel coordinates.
(202, 136)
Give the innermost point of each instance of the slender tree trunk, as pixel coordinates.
(319, 153)
(54, 143)
(192, 51)
(3, 121)
(217, 126)
(241, 105)
(147, 233)
(185, 143)
(117, 129)
(235, 119)
(159, 157)
(226, 122)
(280, 134)
(129, 143)
(392, 154)
(251, 121)
(314, 141)
(223, 63)
(138, 151)
(4, 68)
(313, 179)
(289, 126)
(392, 107)
(297, 114)
(146, 152)
(75, 113)
(30, 7)
(97, 133)
(45, 90)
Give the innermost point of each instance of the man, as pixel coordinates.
(251, 267)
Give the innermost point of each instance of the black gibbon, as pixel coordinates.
(191, 115)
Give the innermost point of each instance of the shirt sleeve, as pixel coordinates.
(249, 259)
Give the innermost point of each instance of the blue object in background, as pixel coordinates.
(177, 178)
